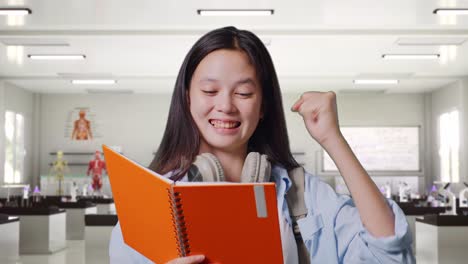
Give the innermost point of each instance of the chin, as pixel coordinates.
(223, 145)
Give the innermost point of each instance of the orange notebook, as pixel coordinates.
(163, 219)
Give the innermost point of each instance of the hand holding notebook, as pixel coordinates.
(195, 259)
(164, 220)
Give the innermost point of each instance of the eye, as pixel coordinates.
(209, 92)
(245, 94)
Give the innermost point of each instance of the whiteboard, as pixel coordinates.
(381, 148)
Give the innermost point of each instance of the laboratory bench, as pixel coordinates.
(76, 212)
(414, 210)
(42, 230)
(104, 205)
(9, 238)
(97, 236)
(441, 239)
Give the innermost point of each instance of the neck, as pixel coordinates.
(232, 161)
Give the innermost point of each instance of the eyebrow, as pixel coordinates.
(247, 80)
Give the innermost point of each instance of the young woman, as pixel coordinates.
(227, 102)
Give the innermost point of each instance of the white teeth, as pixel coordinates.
(221, 124)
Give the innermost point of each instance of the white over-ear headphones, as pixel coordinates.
(207, 168)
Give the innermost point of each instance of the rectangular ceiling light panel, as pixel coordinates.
(376, 81)
(56, 56)
(410, 56)
(235, 12)
(13, 11)
(99, 82)
(451, 11)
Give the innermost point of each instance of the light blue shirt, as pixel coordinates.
(332, 231)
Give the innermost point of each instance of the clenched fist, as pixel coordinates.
(320, 115)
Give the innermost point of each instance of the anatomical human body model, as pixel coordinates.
(95, 168)
(58, 170)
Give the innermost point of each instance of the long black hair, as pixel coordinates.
(181, 141)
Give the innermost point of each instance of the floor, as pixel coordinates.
(75, 253)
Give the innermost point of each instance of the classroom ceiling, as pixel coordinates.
(315, 44)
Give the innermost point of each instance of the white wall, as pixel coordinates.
(137, 122)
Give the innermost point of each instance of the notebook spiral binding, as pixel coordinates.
(178, 221)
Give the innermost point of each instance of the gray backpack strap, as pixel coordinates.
(298, 209)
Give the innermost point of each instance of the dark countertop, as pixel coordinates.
(444, 220)
(419, 208)
(31, 210)
(4, 219)
(56, 198)
(75, 205)
(101, 220)
(413, 210)
(57, 201)
(45, 202)
(96, 200)
(462, 211)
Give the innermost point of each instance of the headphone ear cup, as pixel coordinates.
(206, 168)
(249, 170)
(256, 168)
(264, 172)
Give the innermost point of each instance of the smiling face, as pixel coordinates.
(225, 100)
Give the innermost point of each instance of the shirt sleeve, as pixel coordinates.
(356, 244)
(120, 253)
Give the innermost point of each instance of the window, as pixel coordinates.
(14, 147)
(449, 146)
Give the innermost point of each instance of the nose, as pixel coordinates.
(225, 104)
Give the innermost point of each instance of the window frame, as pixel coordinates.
(19, 155)
(449, 171)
